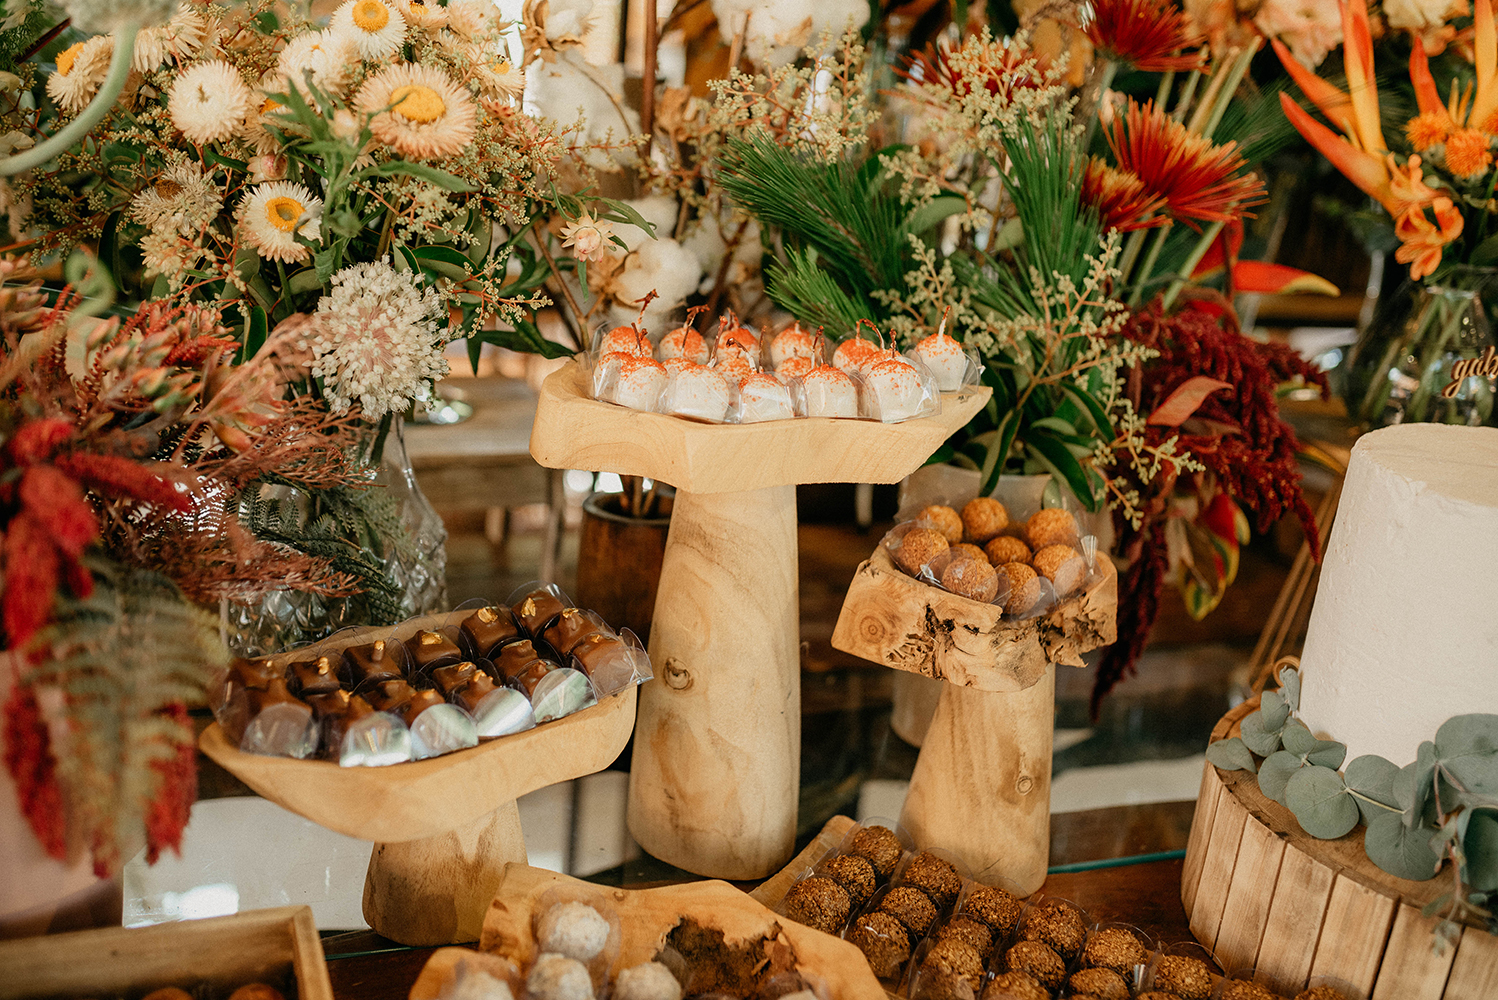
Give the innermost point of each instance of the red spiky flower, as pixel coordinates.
(1149, 35)
(1120, 198)
(1200, 181)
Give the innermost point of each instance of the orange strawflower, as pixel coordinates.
(1421, 241)
(1427, 130)
(1147, 34)
(1467, 153)
(1119, 196)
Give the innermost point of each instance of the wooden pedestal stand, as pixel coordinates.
(445, 827)
(1262, 893)
(717, 750)
(982, 784)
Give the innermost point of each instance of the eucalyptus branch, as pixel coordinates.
(1372, 801)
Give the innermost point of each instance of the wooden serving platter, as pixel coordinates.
(227, 952)
(1261, 892)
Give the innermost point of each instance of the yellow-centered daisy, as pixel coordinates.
(273, 215)
(429, 115)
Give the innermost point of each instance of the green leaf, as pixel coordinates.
(304, 280)
(1260, 740)
(1230, 755)
(1399, 850)
(1486, 253)
(1413, 792)
(325, 261)
(1467, 746)
(1478, 831)
(441, 178)
(1373, 776)
(621, 211)
(475, 351)
(934, 211)
(1274, 710)
(1275, 773)
(256, 330)
(1328, 753)
(1290, 686)
(1297, 738)
(447, 255)
(1095, 410)
(1054, 455)
(1319, 800)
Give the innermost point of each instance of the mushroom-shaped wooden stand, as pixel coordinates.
(982, 784)
(717, 751)
(444, 827)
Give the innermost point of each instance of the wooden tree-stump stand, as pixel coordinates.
(1261, 892)
(445, 827)
(717, 755)
(982, 783)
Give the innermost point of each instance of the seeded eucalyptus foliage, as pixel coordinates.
(1443, 806)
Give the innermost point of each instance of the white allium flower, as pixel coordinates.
(777, 29)
(208, 102)
(81, 68)
(378, 339)
(588, 237)
(178, 40)
(274, 214)
(662, 266)
(103, 16)
(432, 116)
(376, 29)
(169, 255)
(322, 53)
(183, 200)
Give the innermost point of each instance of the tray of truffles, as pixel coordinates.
(743, 376)
(550, 937)
(980, 595)
(273, 954)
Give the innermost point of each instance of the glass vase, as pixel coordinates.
(1401, 369)
(405, 539)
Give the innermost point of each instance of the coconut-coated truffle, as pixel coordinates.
(818, 902)
(646, 981)
(884, 942)
(1116, 948)
(168, 993)
(477, 984)
(983, 518)
(572, 929)
(970, 931)
(1052, 526)
(911, 907)
(995, 907)
(1007, 549)
(1015, 986)
(257, 991)
(943, 519)
(917, 548)
(855, 875)
(1038, 961)
(1024, 588)
(1157, 995)
(1321, 993)
(1242, 989)
(1105, 984)
(1059, 925)
(956, 958)
(1188, 978)
(557, 977)
(935, 877)
(879, 846)
(1062, 565)
(963, 550)
(971, 578)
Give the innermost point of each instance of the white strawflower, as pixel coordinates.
(183, 200)
(325, 55)
(473, 18)
(432, 116)
(208, 101)
(493, 75)
(169, 255)
(178, 40)
(588, 237)
(254, 129)
(274, 214)
(81, 68)
(378, 339)
(375, 29)
(428, 15)
(103, 16)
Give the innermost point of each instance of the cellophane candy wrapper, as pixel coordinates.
(953, 365)
(760, 397)
(696, 392)
(829, 392)
(581, 925)
(897, 390)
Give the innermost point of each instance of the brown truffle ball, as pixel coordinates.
(818, 902)
(854, 874)
(1038, 960)
(935, 877)
(962, 550)
(880, 847)
(942, 519)
(971, 578)
(168, 993)
(1052, 526)
(917, 548)
(883, 941)
(1062, 565)
(256, 991)
(1057, 924)
(1105, 984)
(971, 931)
(1242, 989)
(1007, 549)
(956, 958)
(1188, 978)
(1116, 948)
(1015, 986)
(995, 907)
(1157, 995)
(1321, 993)
(983, 518)
(911, 907)
(1024, 588)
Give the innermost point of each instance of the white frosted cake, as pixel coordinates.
(1404, 631)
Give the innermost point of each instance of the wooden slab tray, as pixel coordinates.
(901, 622)
(256, 946)
(1261, 892)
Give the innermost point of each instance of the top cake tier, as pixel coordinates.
(1404, 631)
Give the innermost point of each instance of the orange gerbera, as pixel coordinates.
(1147, 34)
(1421, 241)
(1120, 198)
(1200, 181)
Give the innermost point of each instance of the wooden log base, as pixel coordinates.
(901, 622)
(1262, 893)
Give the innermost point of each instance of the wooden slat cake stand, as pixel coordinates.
(982, 784)
(444, 827)
(716, 763)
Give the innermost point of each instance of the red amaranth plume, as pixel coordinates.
(121, 477)
(167, 814)
(28, 758)
(37, 440)
(31, 569)
(57, 504)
